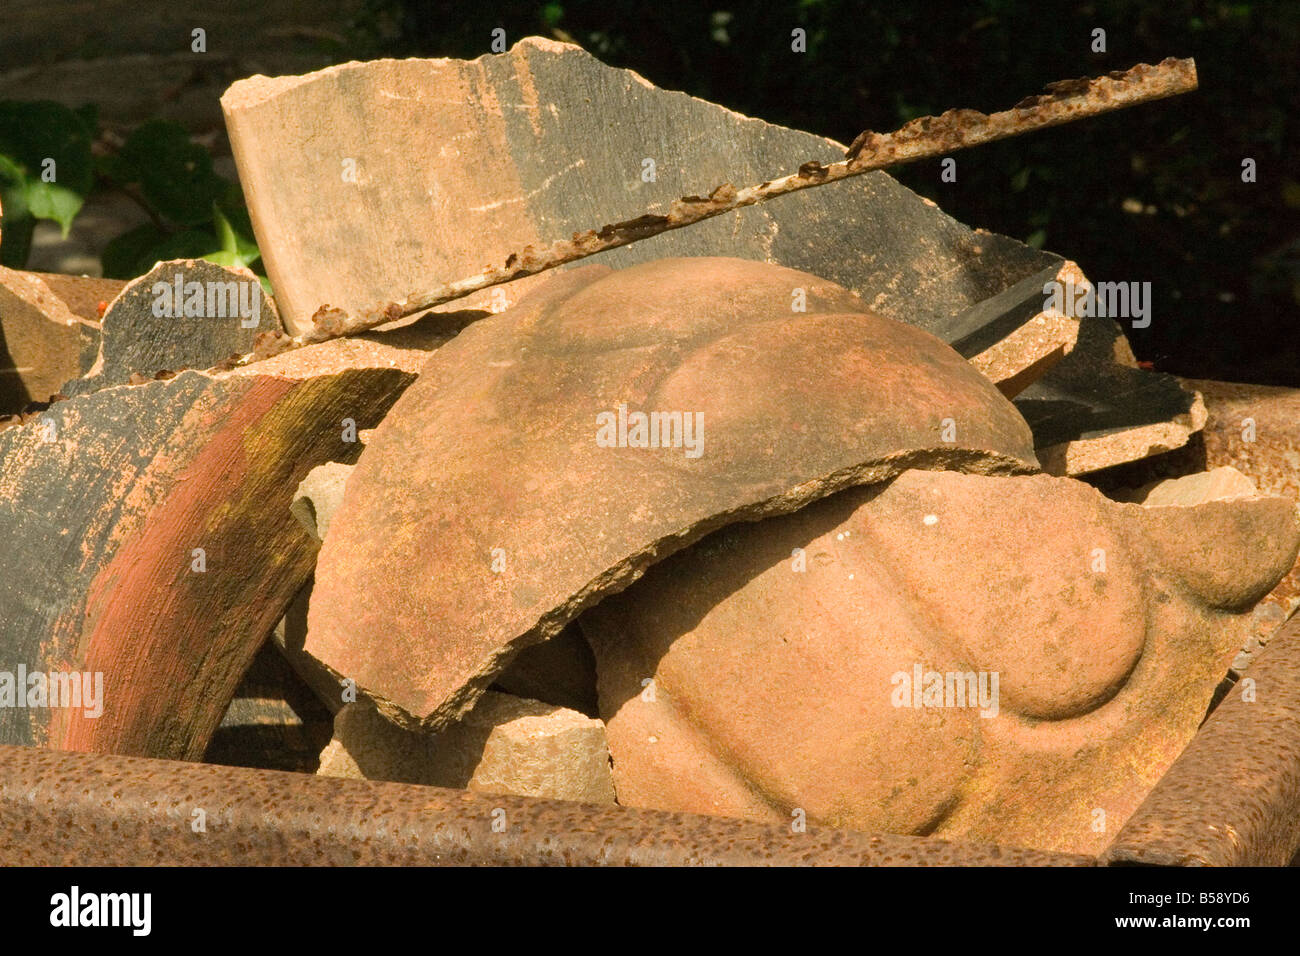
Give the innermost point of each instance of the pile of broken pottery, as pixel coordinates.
(817, 512)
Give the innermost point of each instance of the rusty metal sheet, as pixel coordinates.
(1233, 797)
(60, 808)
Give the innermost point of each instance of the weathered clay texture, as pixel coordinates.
(45, 339)
(733, 682)
(1233, 797)
(209, 313)
(1097, 408)
(1218, 484)
(1256, 430)
(504, 745)
(458, 164)
(560, 671)
(319, 496)
(497, 517)
(104, 500)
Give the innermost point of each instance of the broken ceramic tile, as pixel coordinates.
(523, 476)
(152, 542)
(507, 161)
(186, 313)
(45, 339)
(1097, 409)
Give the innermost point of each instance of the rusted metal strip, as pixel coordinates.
(925, 137)
(1233, 797)
(97, 810)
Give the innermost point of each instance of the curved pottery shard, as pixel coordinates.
(804, 662)
(149, 546)
(518, 481)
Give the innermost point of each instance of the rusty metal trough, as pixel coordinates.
(1232, 798)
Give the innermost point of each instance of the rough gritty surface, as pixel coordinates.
(1218, 484)
(505, 744)
(1233, 796)
(491, 460)
(1256, 430)
(461, 163)
(133, 811)
(775, 689)
(1096, 408)
(136, 340)
(319, 495)
(560, 671)
(104, 499)
(1011, 337)
(44, 338)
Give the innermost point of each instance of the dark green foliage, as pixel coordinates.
(195, 213)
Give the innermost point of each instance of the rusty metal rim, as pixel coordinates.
(1232, 798)
(80, 809)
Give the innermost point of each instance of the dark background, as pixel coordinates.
(1150, 194)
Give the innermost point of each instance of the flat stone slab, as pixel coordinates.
(515, 485)
(1012, 659)
(368, 181)
(149, 538)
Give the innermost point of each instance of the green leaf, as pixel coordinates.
(52, 201)
(233, 228)
(49, 146)
(225, 234)
(175, 174)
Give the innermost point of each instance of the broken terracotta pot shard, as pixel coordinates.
(984, 653)
(185, 313)
(549, 454)
(154, 548)
(523, 174)
(49, 332)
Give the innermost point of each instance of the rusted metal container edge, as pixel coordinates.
(1233, 797)
(97, 810)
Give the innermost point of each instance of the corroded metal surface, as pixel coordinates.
(92, 809)
(1233, 797)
